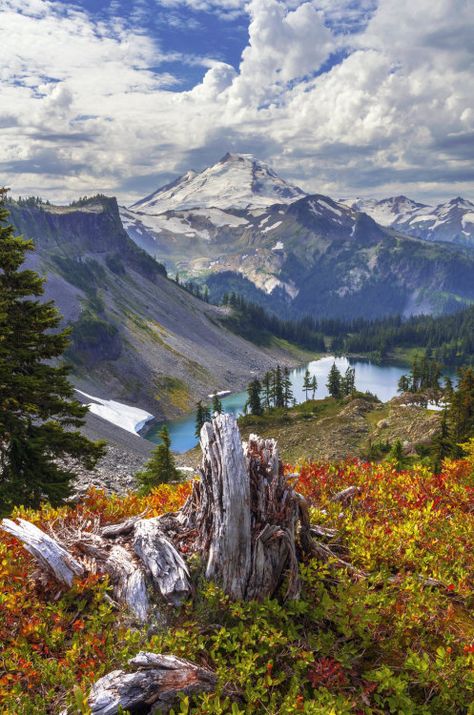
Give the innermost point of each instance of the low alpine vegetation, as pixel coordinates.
(385, 627)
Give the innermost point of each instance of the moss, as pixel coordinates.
(173, 390)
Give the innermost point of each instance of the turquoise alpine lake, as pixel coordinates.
(381, 380)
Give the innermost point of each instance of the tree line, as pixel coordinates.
(447, 338)
(253, 322)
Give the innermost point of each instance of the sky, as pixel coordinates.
(342, 97)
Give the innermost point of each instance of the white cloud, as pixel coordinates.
(284, 45)
(84, 107)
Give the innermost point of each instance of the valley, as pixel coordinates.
(137, 337)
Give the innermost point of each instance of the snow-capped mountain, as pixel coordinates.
(238, 226)
(237, 181)
(388, 211)
(451, 222)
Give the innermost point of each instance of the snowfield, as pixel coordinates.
(131, 419)
(237, 181)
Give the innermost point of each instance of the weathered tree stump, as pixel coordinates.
(244, 518)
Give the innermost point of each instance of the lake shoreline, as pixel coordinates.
(379, 379)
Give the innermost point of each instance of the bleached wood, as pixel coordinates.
(49, 553)
(155, 683)
(128, 580)
(166, 566)
(345, 495)
(243, 517)
(124, 527)
(224, 520)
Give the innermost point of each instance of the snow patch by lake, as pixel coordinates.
(131, 419)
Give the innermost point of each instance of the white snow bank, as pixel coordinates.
(128, 418)
(222, 393)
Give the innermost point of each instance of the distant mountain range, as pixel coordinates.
(238, 226)
(452, 222)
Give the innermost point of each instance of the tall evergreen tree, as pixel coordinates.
(278, 391)
(267, 387)
(39, 417)
(203, 414)
(348, 381)
(314, 387)
(254, 402)
(404, 384)
(448, 389)
(288, 396)
(334, 383)
(307, 383)
(461, 410)
(161, 468)
(216, 404)
(442, 444)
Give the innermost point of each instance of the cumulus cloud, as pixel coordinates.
(284, 45)
(340, 97)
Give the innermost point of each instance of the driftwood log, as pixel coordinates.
(243, 517)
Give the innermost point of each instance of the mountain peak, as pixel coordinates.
(459, 201)
(237, 181)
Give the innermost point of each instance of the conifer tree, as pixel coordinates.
(39, 417)
(404, 384)
(448, 389)
(216, 404)
(348, 381)
(334, 383)
(203, 414)
(442, 444)
(267, 387)
(396, 455)
(461, 410)
(288, 396)
(161, 468)
(415, 375)
(307, 385)
(314, 387)
(254, 403)
(278, 393)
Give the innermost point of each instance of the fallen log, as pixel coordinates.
(49, 553)
(162, 561)
(153, 685)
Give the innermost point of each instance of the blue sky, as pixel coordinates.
(344, 97)
(182, 30)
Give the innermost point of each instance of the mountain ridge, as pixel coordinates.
(451, 221)
(306, 254)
